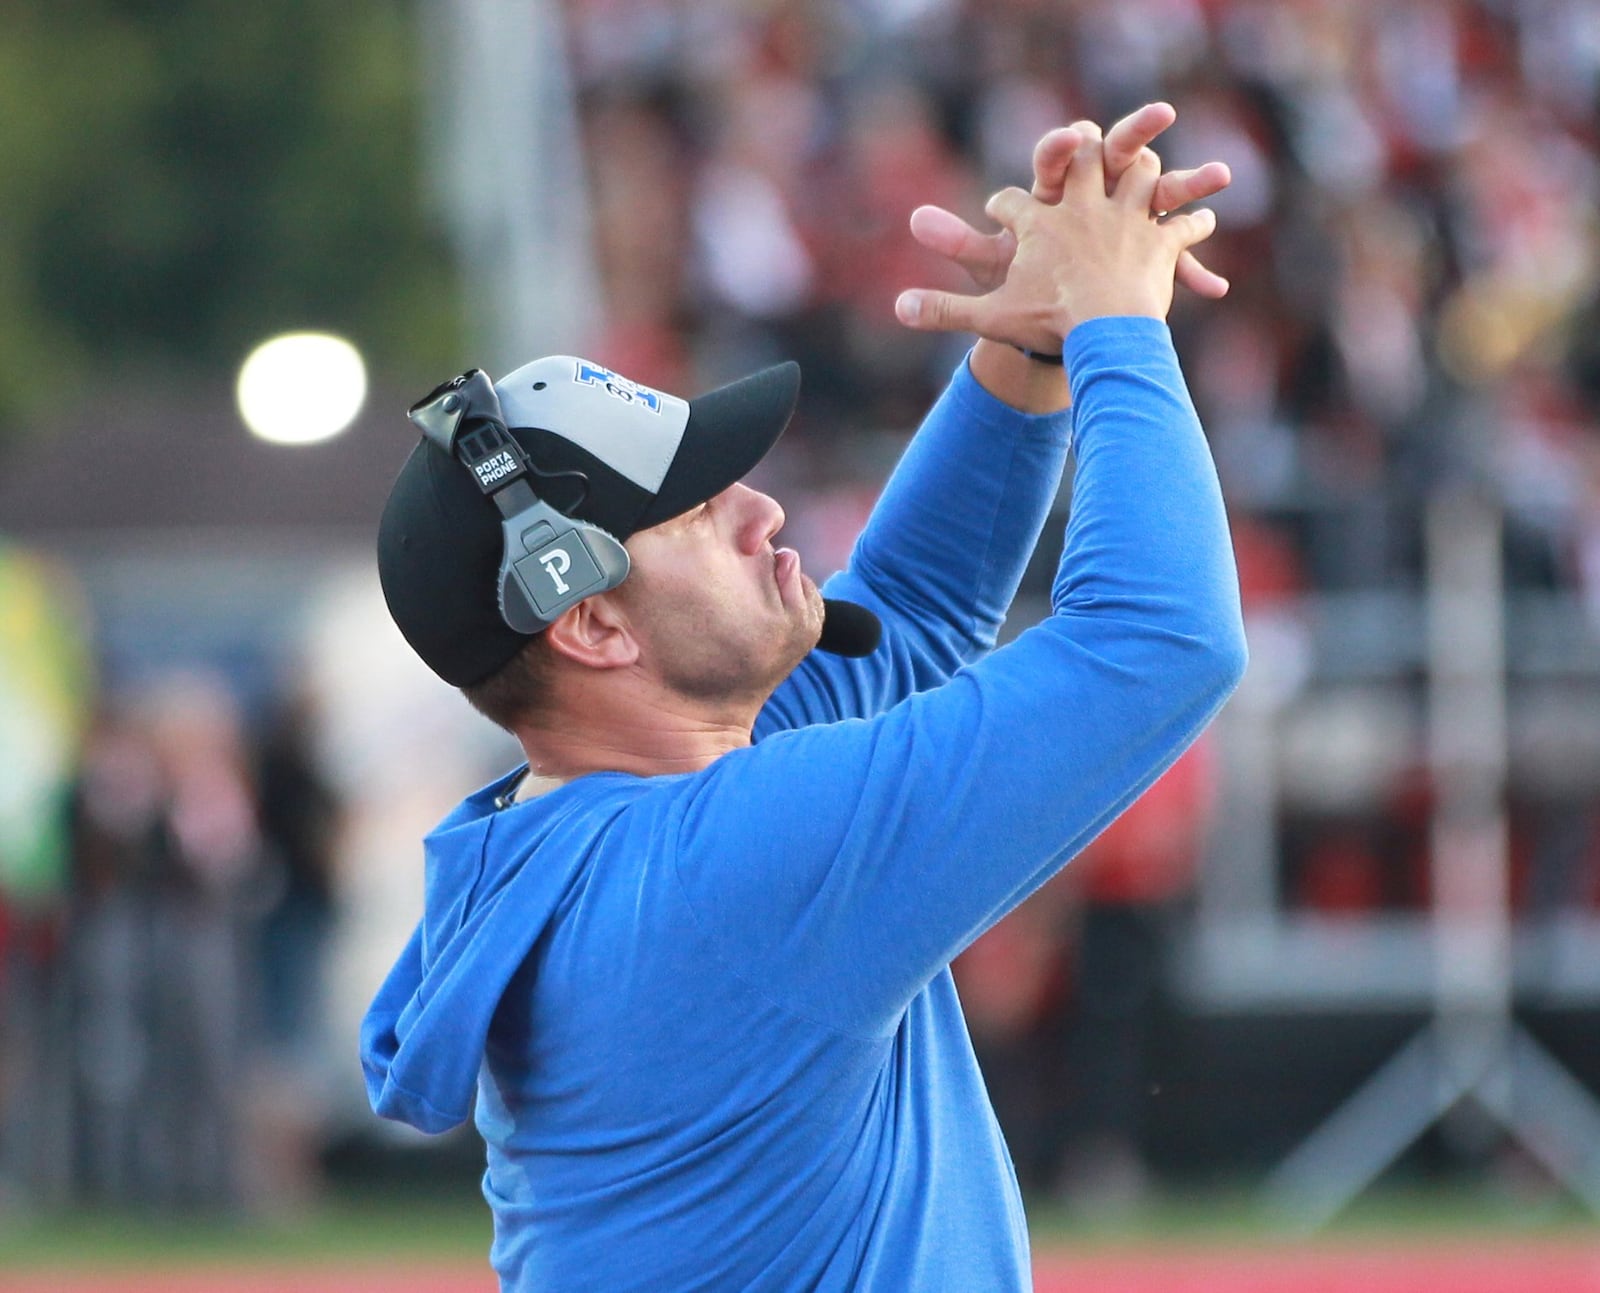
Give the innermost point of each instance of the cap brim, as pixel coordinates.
(729, 431)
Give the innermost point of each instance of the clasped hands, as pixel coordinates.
(1101, 233)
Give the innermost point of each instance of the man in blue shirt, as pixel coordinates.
(689, 967)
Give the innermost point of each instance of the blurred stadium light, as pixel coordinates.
(301, 388)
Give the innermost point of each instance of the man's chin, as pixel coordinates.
(815, 614)
(807, 630)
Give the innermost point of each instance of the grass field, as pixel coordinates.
(1389, 1243)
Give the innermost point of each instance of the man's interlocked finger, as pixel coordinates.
(1136, 186)
(1008, 206)
(1087, 172)
(1192, 227)
(1133, 133)
(940, 311)
(1200, 280)
(1178, 188)
(1052, 155)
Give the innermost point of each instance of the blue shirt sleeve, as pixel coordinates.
(842, 866)
(941, 557)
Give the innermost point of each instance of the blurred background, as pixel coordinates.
(1352, 940)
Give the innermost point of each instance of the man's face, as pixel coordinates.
(719, 613)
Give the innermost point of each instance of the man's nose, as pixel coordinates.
(760, 516)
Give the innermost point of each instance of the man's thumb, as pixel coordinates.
(937, 311)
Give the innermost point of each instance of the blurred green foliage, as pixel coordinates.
(184, 177)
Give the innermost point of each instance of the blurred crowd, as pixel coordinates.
(161, 1033)
(1411, 231)
(1411, 234)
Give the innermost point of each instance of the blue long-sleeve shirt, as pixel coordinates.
(708, 1018)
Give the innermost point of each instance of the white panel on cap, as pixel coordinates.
(634, 429)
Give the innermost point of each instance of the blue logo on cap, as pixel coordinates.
(617, 386)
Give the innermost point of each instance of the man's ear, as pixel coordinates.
(594, 633)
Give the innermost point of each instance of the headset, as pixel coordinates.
(549, 561)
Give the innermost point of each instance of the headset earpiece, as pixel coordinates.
(549, 561)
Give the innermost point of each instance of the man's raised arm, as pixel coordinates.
(945, 549)
(881, 849)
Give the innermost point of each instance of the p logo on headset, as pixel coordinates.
(549, 561)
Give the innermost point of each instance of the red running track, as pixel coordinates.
(1545, 1266)
(1566, 1266)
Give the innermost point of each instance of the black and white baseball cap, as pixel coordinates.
(604, 450)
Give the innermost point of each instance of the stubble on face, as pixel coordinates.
(726, 649)
(709, 653)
